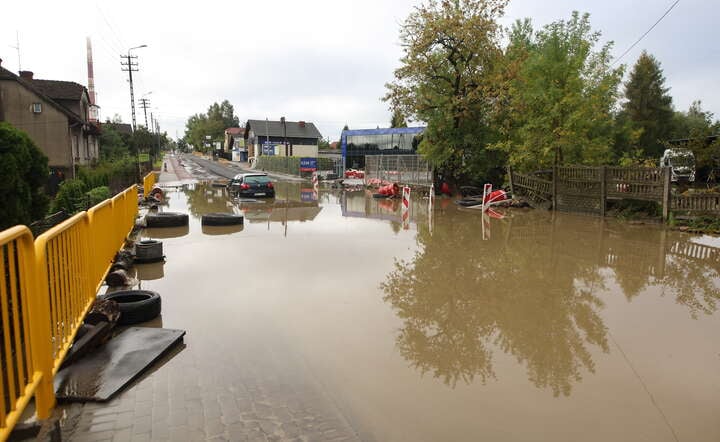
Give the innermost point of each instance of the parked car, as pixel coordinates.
(252, 184)
(681, 162)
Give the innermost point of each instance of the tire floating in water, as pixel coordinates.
(166, 219)
(221, 219)
(136, 306)
(148, 250)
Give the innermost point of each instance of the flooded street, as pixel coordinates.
(326, 319)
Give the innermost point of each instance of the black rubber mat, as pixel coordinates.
(102, 374)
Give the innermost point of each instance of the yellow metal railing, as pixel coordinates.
(49, 284)
(26, 370)
(64, 266)
(149, 182)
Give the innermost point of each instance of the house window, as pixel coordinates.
(37, 108)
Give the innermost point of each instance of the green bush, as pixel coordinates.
(71, 197)
(97, 195)
(124, 169)
(24, 172)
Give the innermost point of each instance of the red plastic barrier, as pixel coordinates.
(495, 196)
(390, 190)
(353, 173)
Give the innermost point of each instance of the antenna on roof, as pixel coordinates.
(17, 47)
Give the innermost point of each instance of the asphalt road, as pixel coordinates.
(229, 170)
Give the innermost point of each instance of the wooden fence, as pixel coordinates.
(537, 190)
(704, 203)
(587, 189)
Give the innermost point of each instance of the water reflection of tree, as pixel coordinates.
(460, 297)
(693, 283)
(655, 257)
(204, 198)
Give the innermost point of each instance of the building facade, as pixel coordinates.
(356, 144)
(281, 138)
(55, 114)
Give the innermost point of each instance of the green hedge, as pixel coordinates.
(288, 165)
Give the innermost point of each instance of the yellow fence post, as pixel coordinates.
(40, 335)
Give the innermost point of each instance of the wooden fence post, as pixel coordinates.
(666, 194)
(603, 189)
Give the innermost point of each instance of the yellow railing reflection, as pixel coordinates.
(48, 286)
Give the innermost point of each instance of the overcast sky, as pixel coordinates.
(324, 61)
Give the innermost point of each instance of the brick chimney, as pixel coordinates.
(301, 123)
(26, 75)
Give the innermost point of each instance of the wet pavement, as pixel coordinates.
(326, 318)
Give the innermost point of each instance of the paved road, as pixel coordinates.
(229, 170)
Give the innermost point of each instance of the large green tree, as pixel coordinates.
(450, 50)
(649, 106)
(24, 171)
(213, 123)
(558, 92)
(397, 119)
(113, 145)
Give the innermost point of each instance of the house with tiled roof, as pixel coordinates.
(55, 114)
(282, 138)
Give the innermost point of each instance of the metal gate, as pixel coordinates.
(405, 169)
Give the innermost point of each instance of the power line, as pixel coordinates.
(646, 33)
(122, 43)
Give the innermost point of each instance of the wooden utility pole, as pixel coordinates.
(131, 66)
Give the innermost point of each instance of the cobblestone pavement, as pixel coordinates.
(257, 394)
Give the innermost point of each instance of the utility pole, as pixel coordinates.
(144, 104)
(130, 65)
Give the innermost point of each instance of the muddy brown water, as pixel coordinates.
(530, 327)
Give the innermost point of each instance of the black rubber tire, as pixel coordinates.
(136, 306)
(166, 219)
(222, 219)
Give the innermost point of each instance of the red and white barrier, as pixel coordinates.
(405, 208)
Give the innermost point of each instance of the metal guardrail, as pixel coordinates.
(26, 370)
(48, 286)
(149, 182)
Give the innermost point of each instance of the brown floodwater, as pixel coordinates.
(524, 326)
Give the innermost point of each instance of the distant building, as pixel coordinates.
(265, 137)
(391, 141)
(55, 114)
(234, 139)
